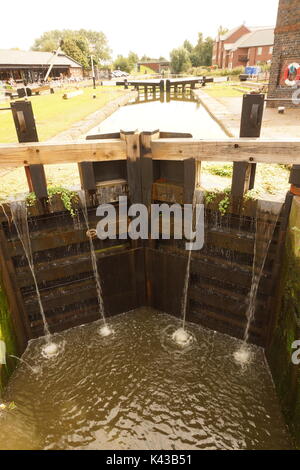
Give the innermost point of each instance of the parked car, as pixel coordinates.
(119, 73)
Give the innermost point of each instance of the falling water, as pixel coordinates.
(105, 330)
(266, 219)
(34, 369)
(19, 216)
(181, 336)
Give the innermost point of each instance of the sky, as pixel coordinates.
(151, 27)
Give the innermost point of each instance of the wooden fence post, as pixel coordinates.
(132, 139)
(251, 119)
(191, 171)
(26, 131)
(147, 181)
(147, 165)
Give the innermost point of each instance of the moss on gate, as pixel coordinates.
(286, 375)
(6, 335)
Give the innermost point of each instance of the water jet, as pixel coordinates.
(182, 337)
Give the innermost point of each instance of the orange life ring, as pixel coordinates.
(286, 74)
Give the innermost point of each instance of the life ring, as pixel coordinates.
(291, 70)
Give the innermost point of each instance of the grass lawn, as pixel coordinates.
(144, 70)
(221, 90)
(271, 180)
(53, 114)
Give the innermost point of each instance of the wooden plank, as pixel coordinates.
(146, 165)
(132, 139)
(189, 180)
(87, 176)
(239, 150)
(71, 152)
(61, 268)
(72, 94)
(19, 320)
(36, 178)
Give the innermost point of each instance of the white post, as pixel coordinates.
(93, 73)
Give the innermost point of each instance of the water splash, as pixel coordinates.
(181, 336)
(267, 214)
(20, 219)
(105, 330)
(34, 369)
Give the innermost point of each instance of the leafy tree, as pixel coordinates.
(144, 58)
(222, 31)
(98, 44)
(133, 59)
(77, 43)
(188, 46)
(180, 60)
(200, 54)
(122, 63)
(207, 48)
(78, 50)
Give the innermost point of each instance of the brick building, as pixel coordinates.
(157, 66)
(32, 66)
(285, 70)
(243, 46)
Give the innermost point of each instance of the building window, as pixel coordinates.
(271, 50)
(259, 51)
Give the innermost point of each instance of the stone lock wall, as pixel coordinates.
(285, 372)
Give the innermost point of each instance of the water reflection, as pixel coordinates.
(175, 111)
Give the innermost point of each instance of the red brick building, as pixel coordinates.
(157, 66)
(285, 70)
(243, 46)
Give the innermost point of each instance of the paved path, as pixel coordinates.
(274, 125)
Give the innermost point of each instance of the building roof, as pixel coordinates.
(228, 47)
(27, 58)
(257, 38)
(227, 35)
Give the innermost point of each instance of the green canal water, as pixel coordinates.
(138, 390)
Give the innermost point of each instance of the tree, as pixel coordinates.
(222, 31)
(122, 63)
(133, 59)
(144, 58)
(188, 46)
(200, 54)
(180, 60)
(78, 50)
(207, 51)
(87, 41)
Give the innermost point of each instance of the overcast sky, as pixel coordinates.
(151, 27)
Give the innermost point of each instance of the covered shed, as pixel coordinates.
(33, 65)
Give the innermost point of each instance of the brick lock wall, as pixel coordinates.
(286, 49)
